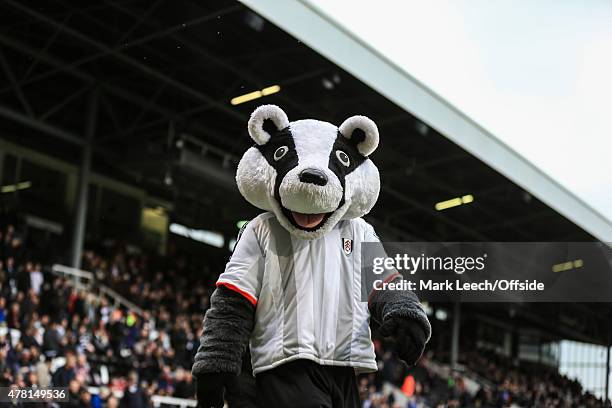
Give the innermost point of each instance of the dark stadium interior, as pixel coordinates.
(150, 83)
(165, 71)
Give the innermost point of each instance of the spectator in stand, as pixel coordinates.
(134, 396)
(3, 311)
(23, 277)
(74, 392)
(12, 244)
(66, 373)
(11, 276)
(183, 384)
(13, 319)
(116, 332)
(36, 278)
(52, 340)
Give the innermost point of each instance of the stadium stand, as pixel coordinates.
(58, 330)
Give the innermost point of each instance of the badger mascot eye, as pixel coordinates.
(281, 152)
(343, 158)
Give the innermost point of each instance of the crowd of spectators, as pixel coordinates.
(495, 382)
(527, 385)
(56, 333)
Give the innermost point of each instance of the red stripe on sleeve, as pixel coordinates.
(236, 289)
(387, 280)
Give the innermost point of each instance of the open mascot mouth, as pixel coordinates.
(306, 222)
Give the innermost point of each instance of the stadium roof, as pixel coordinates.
(526, 88)
(162, 75)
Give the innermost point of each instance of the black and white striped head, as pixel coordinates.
(311, 174)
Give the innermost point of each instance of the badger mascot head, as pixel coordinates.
(311, 174)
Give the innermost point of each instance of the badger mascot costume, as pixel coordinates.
(292, 288)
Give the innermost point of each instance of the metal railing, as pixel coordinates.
(156, 400)
(159, 400)
(85, 280)
(120, 300)
(76, 274)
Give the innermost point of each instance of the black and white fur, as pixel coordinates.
(310, 167)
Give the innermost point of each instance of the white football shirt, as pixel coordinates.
(307, 293)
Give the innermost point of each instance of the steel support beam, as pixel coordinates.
(121, 47)
(48, 44)
(71, 12)
(156, 122)
(607, 395)
(64, 103)
(80, 206)
(87, 78)
(116, 91)
(38, 54)
(139, 21)
(15, 85)
(454, 355)
(1, 166)
(188, 90)
(40, 125)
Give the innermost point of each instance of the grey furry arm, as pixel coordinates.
(227, 327)
(386, 304)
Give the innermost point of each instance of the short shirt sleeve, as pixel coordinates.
(244, 271)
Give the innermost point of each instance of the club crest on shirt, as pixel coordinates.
(347, 245)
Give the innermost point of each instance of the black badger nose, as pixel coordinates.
(313, 176)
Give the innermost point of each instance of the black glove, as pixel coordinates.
(210, 389)
(409, 336)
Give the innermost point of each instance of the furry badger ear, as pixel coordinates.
(264, 120)
(361, 131)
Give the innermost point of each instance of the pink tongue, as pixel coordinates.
(307, 220)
